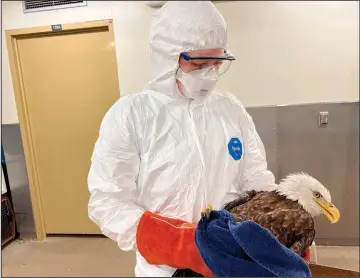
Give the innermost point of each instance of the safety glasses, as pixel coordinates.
(221, 63)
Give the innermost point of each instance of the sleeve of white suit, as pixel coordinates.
(256, 173)
(112, 178)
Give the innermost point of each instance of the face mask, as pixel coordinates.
(198, 84)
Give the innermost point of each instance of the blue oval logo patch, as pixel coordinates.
(235, 148)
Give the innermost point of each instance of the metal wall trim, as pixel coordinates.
(301, 104)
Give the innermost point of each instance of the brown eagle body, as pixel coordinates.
(285, 219)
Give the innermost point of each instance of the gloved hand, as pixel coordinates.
(166, 241)
(306, 256)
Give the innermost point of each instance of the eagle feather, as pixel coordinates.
(289, 219)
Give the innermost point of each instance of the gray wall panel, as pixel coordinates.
(352, 176)
(293, 142)
(327, 153)
(19, 185)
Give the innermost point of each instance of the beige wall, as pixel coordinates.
(287, 52)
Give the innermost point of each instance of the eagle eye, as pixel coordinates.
(317, 194)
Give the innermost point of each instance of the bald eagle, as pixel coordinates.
(287, 211)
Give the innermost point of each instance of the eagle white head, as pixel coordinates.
(310, 194)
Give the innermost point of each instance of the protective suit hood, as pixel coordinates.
(181, 27)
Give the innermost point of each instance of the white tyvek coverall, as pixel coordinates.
(162, 152)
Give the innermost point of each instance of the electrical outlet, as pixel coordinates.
(324, 118)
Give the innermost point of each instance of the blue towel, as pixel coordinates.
(245, 249)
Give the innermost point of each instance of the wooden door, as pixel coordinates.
(64, 82)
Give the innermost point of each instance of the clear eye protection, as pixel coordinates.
(221, 63)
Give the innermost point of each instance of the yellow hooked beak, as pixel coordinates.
(329, 210)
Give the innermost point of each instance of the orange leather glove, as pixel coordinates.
(167, 241)
(306, 255)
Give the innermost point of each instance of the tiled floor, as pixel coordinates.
(341, 257)
(81, 256)
(67, 257)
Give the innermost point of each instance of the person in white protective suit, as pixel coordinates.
(165, 153)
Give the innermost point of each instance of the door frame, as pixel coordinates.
(12, 37)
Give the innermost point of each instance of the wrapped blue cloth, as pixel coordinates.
(245, 249)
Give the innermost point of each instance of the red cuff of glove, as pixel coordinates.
(167, 241)
(306, 255)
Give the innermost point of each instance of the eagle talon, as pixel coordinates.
(206, 212)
